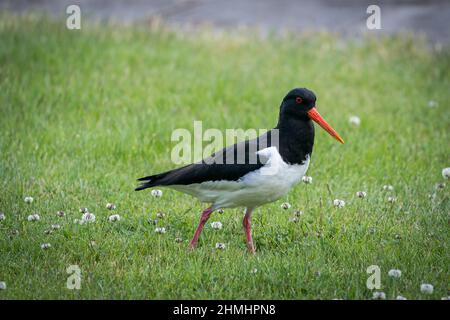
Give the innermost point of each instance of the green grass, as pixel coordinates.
(85, 113)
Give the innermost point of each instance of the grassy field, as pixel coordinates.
(85, 113)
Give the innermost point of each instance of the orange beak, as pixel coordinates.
(314, 115)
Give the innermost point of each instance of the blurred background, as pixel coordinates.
(348, 17)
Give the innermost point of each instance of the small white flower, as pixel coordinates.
(156, 193)
(298, 213)
(217, 225)
(307, 180)
(285, 206)
(354, 120)
(395, 273)
(220, 246)
(440, 185)
(160, 230)
(294, 219)
(2, 216)
(379, 295)
(33, 217)
(87, 217)
(28, 199)
(339, 203)
(114, 218)
(432, 104)
(361, 194)
(220, 211)
(2, 285)
(254, 270)
(426, 288)
(391, 199)
(45, 246)
(401, 298)
(56, 226)
(110, 206)
(160, 215)
(388, 187)
(178, 239)
(84, 210)
(60, 214)
(445, 298)
(446, 173)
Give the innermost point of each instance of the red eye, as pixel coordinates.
(298, 100)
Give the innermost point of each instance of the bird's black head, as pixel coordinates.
(300, 104)
(297, 103)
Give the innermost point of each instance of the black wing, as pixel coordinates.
(231, 163)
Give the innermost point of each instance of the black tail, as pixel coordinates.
(150, 181)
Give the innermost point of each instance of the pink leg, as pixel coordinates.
(248, 231)
(205, 216)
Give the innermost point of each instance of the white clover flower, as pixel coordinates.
(110, 206)
(220, 211)
(217, 225)
(254, 270)
(395, 273)
(33, 217)
(339, 203)
(220, 246)
(391, 199)
(87, 217)
(440, 185)
(426, 288)
(56, 226)
(446, 173)
(160, 215)
(298, 213)
(84, 210)
(307, 179)
(45, 246)
(294, 219)
(156, 193)
(354, 120)
(60, 214)
(114, 218)
(388, 187)
(285, 206)
(2, 285)
(160, 230)
(178, 239)
(401, 298)
(28, 199)
(361, 194)
(2, 216)
(379, 295)
(432, 104)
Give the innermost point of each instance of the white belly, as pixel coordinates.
(267, 184)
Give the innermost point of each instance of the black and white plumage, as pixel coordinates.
(261, 171)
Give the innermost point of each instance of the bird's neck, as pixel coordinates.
(296, 138)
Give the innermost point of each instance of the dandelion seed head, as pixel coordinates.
(354, 120)
(217, 225)
(426, 288)
(28, 199)
(285, 206)
(156, 193)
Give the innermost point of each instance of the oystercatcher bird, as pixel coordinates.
(253, 172)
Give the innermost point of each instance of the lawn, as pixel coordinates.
(84, 113)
